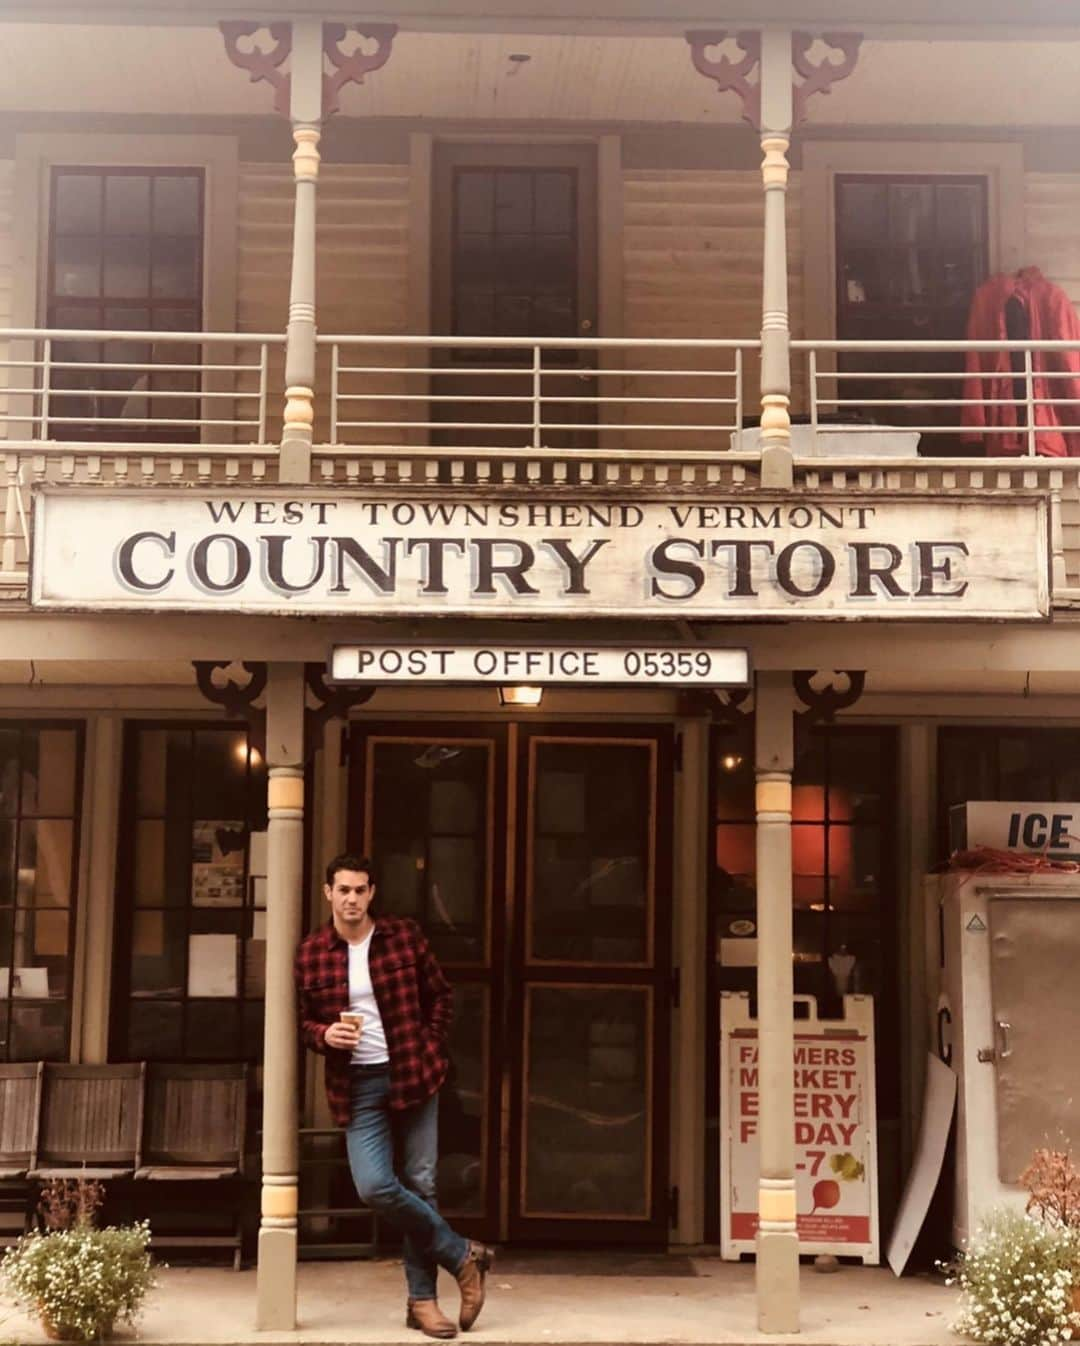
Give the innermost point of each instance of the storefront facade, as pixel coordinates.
(595, 356)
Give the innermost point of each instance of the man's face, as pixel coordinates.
(350, 895)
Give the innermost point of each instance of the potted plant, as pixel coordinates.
(78, 1279)
(1016, 1278)
(1020, 1276)
(1053, 1184)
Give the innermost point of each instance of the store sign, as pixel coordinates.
(577, 665)
(355, 551)
(835, 1130)
(1043, 828)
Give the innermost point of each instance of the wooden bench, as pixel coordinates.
(151, 1123)
(196, 1119)
(20, 1109)
(91, 1121)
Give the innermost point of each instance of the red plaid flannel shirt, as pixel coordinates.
(415, 1004)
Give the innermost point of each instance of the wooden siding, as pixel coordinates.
(1052, 219)
(7, 270)
(363, 260)
(693, 255)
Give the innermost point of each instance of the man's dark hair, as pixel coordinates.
(359, 864)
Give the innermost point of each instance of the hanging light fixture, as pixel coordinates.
(520, 696)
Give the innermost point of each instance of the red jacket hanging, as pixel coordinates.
(1050, 317)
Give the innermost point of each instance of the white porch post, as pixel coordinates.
(775, 129)
(306, 113)
(275, 1309)
(777, 1240)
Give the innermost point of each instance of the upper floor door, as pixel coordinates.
(515, 255)
(911, 250)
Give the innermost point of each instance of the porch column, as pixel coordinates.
(306, 113)
(777, 1270)
(775, 130)
(275, 1309)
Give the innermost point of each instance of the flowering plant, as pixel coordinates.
(82, 1280)
(1017, 1278)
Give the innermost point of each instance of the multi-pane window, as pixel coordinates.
(125, 254)
(910, 252)
(843, 894)
(192, 937)
(841, 890)
(999, 762)
(514, 252)
(40, 786)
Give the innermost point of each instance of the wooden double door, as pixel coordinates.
(538, 860)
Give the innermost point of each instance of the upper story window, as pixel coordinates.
(125, 255)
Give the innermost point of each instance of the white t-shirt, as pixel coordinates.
(371, 1049)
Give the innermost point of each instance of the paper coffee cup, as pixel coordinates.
(353, 1019)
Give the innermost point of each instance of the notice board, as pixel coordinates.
(835, 1129)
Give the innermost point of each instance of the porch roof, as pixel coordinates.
(976, 19)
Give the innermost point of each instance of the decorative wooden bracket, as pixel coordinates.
(261, 65)
(349, 67)
(823, 705)
(729, 75)
(352, 67)
(819, 78)
(237, 701)
(736, 76)
(334, 703)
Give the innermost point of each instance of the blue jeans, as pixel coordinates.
(409, 1201)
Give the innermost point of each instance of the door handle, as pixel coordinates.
(1004, 1028)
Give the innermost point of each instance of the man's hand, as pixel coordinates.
(343, 1036)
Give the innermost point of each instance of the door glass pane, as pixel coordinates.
(591, 852)
(127, 204)
(176, 204)
(39, 955)
(462, 1107)
(77, 198)
(38, 1033)
(49, 773)
(9, 773)
(45, 854)
(433, 854)
(155, 1031)
(587, 1101)
(157, 953)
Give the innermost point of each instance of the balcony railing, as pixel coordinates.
(472, 394)
(643, 400)
(994, 399)
(131, 387)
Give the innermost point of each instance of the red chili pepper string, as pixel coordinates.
(988, 860)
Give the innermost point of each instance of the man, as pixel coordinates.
(383, 1073)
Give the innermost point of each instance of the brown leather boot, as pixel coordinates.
(470, 1278)
(425, 1316)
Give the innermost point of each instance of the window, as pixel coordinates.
(40, 787)
(125, 254)
(514, 252)
(843, 895)
(992, 762)
(191, 931)
(910, 252)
